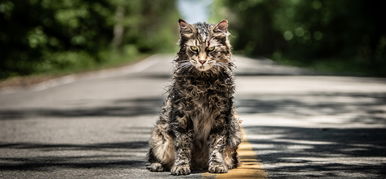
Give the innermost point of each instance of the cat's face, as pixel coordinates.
(205, 45)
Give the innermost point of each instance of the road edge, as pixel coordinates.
(52, 81)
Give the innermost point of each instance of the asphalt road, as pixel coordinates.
(298, 123)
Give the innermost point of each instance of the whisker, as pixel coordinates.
(184, 65)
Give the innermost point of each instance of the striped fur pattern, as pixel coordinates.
(198, 129)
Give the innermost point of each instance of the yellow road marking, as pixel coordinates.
(249, 167)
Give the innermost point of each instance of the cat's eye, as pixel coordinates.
(211, 48)
(194, 48)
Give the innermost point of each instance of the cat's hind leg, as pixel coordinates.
(161, 153)
(155, 167)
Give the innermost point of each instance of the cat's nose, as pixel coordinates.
(202, 61)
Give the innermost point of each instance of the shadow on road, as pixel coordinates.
(365, 108)
(63, 147)
(98, 155)
(286, 151)
(313, 152)
(325, 151)
(117, 108)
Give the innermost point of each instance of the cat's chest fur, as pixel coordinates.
(204, 98)
(204, 101)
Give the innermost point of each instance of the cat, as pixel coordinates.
(198, 128)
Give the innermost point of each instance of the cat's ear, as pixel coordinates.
(221, 27)
(185, 28)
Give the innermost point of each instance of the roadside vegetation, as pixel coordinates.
(342, 37)
(42, 37)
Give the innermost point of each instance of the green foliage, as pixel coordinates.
(351, 32)
(39, 36)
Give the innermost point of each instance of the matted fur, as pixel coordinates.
(197, 129)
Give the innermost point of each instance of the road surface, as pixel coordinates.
(297, 124)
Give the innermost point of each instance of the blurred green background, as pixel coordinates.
(56, 37)
(47, 36)
(345, 37)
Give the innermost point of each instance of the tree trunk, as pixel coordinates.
(118, 28)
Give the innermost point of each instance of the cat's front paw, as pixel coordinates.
(217, 168)
(180, 170)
